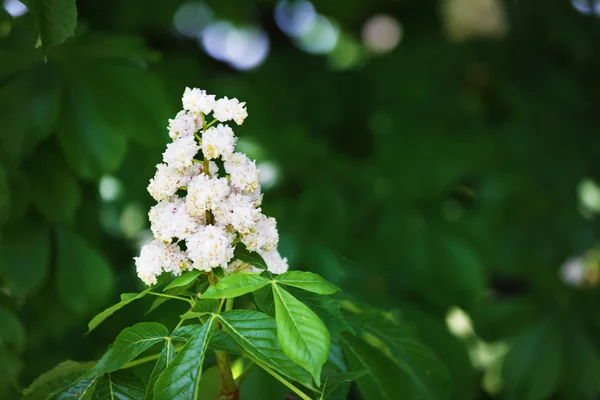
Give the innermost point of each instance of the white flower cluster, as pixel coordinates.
(201, 216)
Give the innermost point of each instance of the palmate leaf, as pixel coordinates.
(303, 336)
(164, 359)
(119, 386)
(180, 379)
(235, 285)
(55, 20)
(332, 382)
(126, 298)
(130, 343)
(219, 340)
(82, 389)
(58, 378)
(256, 334)
(306, 281)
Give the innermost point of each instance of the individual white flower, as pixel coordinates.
(156, 257)
(167, 180)
(197, 101)
(275, 263)
(223, 110)
(237, 210)
(263, 236)
(183, 124)
(170, 218)
(242, 171)
(205, 193)
(180, 152)
(218, 141)
(210, 247)
(239, 112)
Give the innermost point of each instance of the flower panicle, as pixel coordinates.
(202, 213)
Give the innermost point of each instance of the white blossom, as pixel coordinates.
(230, 110)
(180, 153)
(237, 210)
(197, 101)
(183, 125)
(156, 257)
(205, 193)
(263, 236)
(218, 141)
(170, 218)
(275, 263)
(210, 247)
(243, 172)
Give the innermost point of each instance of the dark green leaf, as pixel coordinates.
(54, 189)
(5, 196)
(29, 110)
(25, 255)
(164, 359)
(55, 20)
(82, 389)
(58, 378)
(218, 341)
(332, 382)
(532, 366)
(119, 385)
(263, 298)
(84, 278)
(251, 257)
(185, 279)
(307, 281)
(303, 336)
(235, 285)
(11, 330)
(126, 298)
(91, 144)
(180, 380)
(130, 343)
(256, 334)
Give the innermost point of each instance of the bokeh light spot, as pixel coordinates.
(381, 33)
(295, 18)
(191, 18)
(322, 37)
(15, 8)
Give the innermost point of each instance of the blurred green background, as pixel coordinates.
(439, 159)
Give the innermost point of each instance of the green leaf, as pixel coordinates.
(11, 330)
(178, 291)
(58, 378)
(307, 281)
(218, 341)
(126, 298)
(130, 343)
(164, 359)
(185, 279)
(119, 385)
(5, 196)
(82, 389)
(55, 20)
(251, 257)
(384, 380)
(406, 367)
(532, 367)
(179, 380)
(29, 110)
(303, 336)
(54, 189)
(332, 382)
(92, 145)
(84, 278)
(256, 334)
(25, 255)
(235, 285)
(263, 299)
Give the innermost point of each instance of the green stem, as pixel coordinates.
(211, 123)
(170, 296)
(281, 379)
